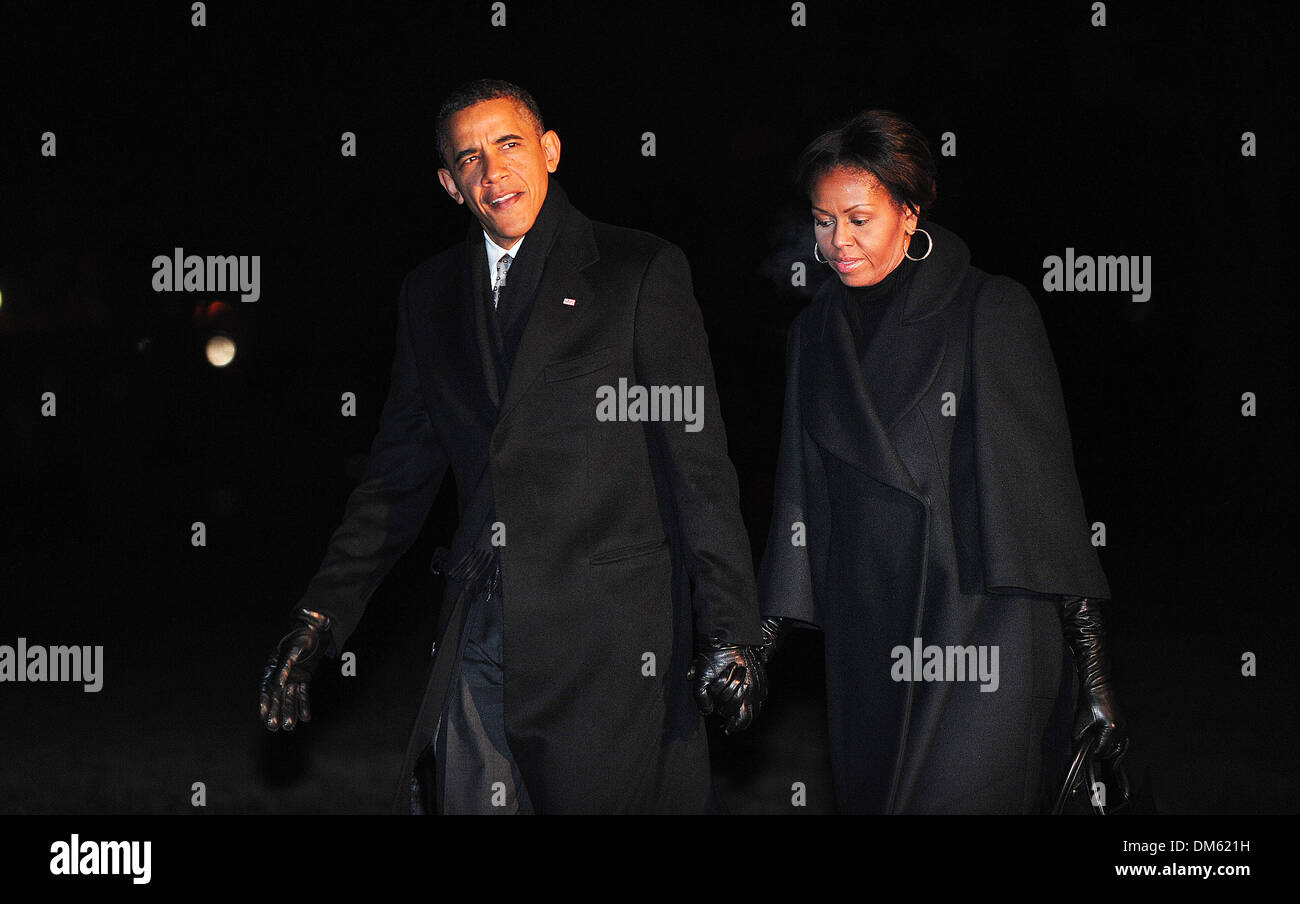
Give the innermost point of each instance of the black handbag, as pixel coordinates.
(1086, 771)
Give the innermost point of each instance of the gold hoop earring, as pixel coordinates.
(927, 250)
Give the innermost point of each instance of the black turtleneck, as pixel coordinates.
(865, 306)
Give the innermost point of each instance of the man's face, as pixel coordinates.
(859, 227)
(499, 166)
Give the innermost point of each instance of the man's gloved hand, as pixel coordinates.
(1097, 708)
(284, 701)
(775, 630)
(731, 680)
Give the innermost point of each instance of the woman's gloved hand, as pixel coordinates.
(284, 699)
(774, 630)
(1097, 707)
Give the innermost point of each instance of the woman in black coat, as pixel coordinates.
(927, 516)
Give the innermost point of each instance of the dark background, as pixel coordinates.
(225, 140)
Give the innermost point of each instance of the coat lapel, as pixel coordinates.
(840, 414)
(901, 363)
(456, 330)
(473, 298)
(553, 324)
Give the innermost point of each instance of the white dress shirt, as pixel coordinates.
(494, 253)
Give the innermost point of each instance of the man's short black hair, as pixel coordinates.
(475, 92)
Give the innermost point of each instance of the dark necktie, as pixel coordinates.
(502, 266)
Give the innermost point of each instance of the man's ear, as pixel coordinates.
(551, 148)
(448, 183)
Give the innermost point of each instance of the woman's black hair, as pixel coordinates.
(877, 142)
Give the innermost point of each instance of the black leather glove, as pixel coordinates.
(731, 680)
(1097, 708)
(284, 701)
(775, 630)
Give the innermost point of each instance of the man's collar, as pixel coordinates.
(549, 218)
(495, 252)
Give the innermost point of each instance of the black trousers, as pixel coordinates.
(468, 768)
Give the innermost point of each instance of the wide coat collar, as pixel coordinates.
(850, 407)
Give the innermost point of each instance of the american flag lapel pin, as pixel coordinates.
(571, 301)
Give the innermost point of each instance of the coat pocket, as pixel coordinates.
(619, 553)
(583, 364)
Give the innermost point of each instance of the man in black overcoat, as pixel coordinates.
(600, 542)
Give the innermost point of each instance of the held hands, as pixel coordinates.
(731, 680)
(284, 699)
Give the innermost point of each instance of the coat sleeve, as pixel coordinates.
(671, 349)
(785, 580)
(1034, 536)
(386, 511)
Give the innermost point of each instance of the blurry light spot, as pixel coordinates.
(221, 350)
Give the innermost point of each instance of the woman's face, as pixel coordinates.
(859, 227)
